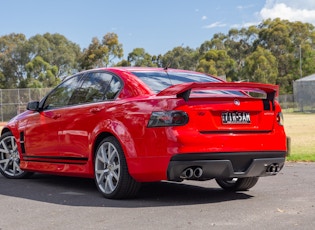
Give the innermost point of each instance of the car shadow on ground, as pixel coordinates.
(83, 192)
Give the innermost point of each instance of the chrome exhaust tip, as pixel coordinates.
(198, 172)
(187, 173)
(273, 169)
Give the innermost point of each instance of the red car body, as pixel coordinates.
(214, 135)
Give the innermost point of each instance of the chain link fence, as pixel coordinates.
(304, 95)
(14, 101)
(287, 101)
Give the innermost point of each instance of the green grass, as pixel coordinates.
(300, 127)
(301, 157)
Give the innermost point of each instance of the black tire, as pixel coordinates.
(111, 172)
(237, 184)
(10, 158)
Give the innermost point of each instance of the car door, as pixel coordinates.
(42, 129)
(85, 112)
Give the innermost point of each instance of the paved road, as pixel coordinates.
(44, 202)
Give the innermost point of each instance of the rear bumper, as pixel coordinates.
(226, 165)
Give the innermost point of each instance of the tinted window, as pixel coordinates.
(62, 94)
(96, 87)
(113, 89)
(157, 81)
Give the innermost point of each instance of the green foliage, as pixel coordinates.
(261, 66)
(180, 58)
(100, 54)
(138, 57)
(13, 57)
(56, 50)
(40, 74)
(275, 51)
(216, 62)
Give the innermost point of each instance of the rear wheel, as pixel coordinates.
(10, 158)
(237, 184)
(111, 173)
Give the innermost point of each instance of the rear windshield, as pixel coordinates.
(158, 81)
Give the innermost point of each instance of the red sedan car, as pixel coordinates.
(124, 126)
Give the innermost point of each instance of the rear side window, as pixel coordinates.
(96, 87)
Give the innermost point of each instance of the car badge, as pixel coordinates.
(237, 102)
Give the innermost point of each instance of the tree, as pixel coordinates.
(286, 41)
(216, 62)
(261, 66)
(40, 74)
(115, 49)
(100, 54)
(56, 50)
(180, 58)
(139, 57)
(216, 43)
(13, 57)
(123, 62)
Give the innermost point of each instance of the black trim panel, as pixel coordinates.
(53, 159)
(226, 164)
(239, 160)
(22, 142)
(266, 103)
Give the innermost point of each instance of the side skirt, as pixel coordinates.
(58, 166)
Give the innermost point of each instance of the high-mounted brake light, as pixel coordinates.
(168, 118)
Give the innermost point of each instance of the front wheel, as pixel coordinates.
(111, 173)
(237, 184)
(10, 158)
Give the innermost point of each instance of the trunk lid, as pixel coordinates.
(227, 107)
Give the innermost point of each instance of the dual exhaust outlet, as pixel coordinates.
(195, 173)
(192, 173)
(273, 169)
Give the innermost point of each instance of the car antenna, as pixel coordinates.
(168, 65)
(171, 61)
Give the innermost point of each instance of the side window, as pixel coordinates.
(113, 89)
(99, 87)
(62, 94)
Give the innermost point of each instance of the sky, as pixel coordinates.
(157, 26)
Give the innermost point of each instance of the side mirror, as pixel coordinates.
(33, 106)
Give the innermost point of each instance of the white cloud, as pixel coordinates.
(244, 7)
(292, 10)
(204, 17)
(214, 25)
(244, 25)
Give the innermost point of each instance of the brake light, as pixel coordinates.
(168, 118)
(280, 119)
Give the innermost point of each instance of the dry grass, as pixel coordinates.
(300, 127)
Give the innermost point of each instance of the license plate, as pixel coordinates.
(235, 118)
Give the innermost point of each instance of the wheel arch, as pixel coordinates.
(98, 140)
(120, 131)
(5, 130)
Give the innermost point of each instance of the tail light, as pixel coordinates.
(280, 119)
(168, 118)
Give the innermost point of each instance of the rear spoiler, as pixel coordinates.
(183, 90)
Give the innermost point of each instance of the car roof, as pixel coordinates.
(143, 69)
